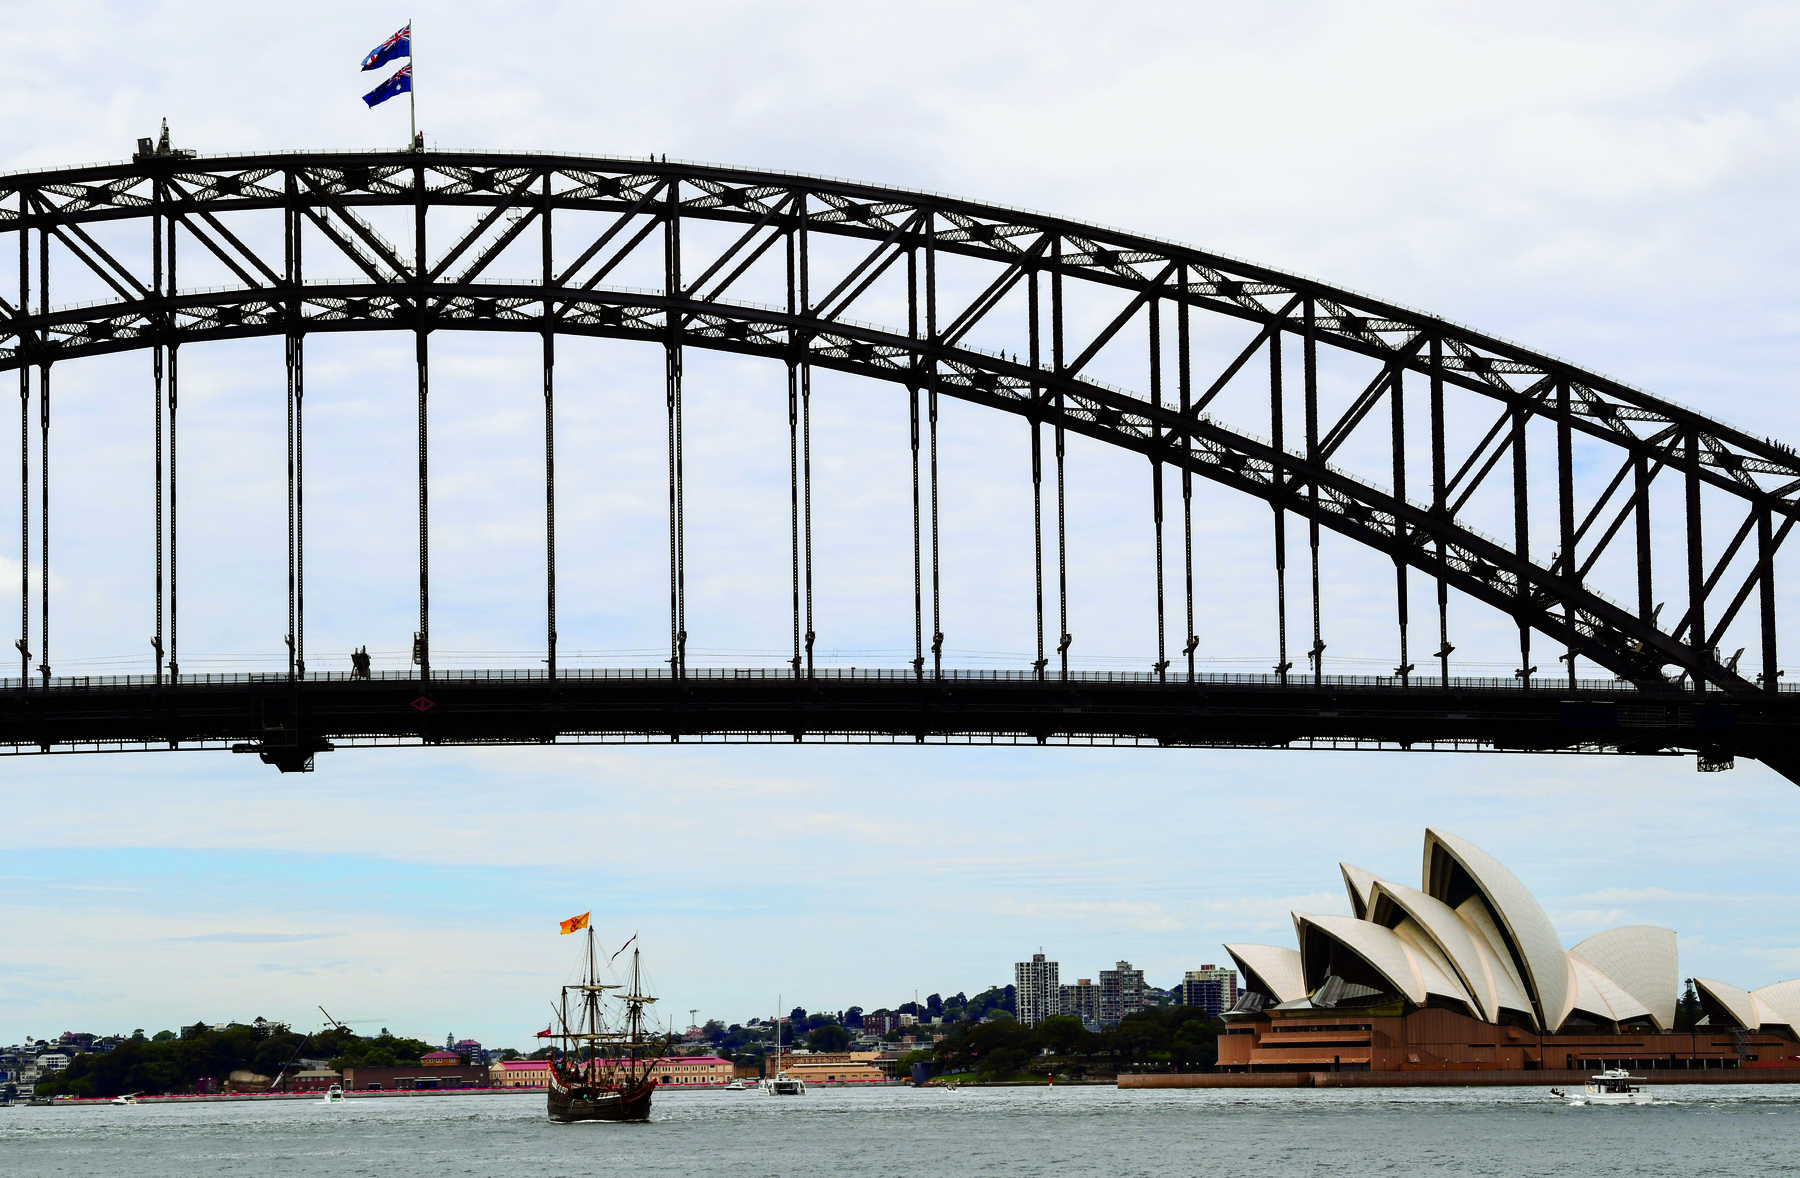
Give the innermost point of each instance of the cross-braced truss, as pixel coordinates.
(269, 221)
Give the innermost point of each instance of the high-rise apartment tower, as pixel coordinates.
(1037, 993)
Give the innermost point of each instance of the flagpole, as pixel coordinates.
(412, 91)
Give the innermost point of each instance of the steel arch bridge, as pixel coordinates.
(268, 220)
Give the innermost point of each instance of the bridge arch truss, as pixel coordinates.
(319, 211)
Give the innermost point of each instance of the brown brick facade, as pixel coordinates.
(1442, 1040)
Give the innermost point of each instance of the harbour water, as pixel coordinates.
(1506, 1132)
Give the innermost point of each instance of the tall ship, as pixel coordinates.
(604, 1069)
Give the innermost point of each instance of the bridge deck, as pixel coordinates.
(288, 721)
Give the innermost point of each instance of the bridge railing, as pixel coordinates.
(1175, 680)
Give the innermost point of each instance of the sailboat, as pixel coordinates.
(605, 1070)
(782, 1084)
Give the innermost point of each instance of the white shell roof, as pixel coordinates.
(1739, 1002)
(1509, 990)
(1643, 961)
(1463, 950)
(1546, 967)
(1433, 966)
(1385, 953)
(1432, 949)
(1274, 967)
(1412, 974)
(1783, 1000)
(1599, 995)
(1358, 883)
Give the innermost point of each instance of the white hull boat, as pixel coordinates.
(781, 1084)
(1612, 1086)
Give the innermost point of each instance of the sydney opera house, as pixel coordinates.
(1467, 973)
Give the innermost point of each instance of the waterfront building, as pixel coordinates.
(312, 1080)
(1082, 1000)
(1467, 973)
(686, 1071)
(1037, 992)
(1121, 993)
(835, 1067)
(1210, 988)
(520, 1073)
(415, 1077)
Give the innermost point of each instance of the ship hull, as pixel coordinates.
(599, 1104)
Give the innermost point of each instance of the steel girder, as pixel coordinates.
(323, 197)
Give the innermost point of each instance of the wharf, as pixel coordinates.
(244, 1097)
(1470, 1078)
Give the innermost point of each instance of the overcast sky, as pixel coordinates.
(1612, 185)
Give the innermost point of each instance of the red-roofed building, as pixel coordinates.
(441, 1059)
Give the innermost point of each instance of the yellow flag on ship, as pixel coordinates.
(574, 924)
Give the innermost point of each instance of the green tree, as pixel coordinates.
(992, 1049)
(1064, 1035)
(1688, 1011)
(829, 1037)
(1138, 1036)
(1196, 1046)
(992, 998)
(384, 1051)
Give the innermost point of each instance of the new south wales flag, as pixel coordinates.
(574, 924)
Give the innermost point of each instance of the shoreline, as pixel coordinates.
(240, 1097)
(319, 1097)
(1446, 1079)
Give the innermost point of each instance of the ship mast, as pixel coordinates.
(592, 998)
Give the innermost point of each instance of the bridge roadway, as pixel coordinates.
(286, 722)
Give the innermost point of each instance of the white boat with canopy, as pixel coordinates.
(1612, 1086)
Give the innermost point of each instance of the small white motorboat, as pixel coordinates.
(1612, 1086)
(740, 1086)
(335, 1093)
(128, 1098)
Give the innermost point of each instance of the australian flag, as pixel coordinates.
(398, 45)
(400, 83)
